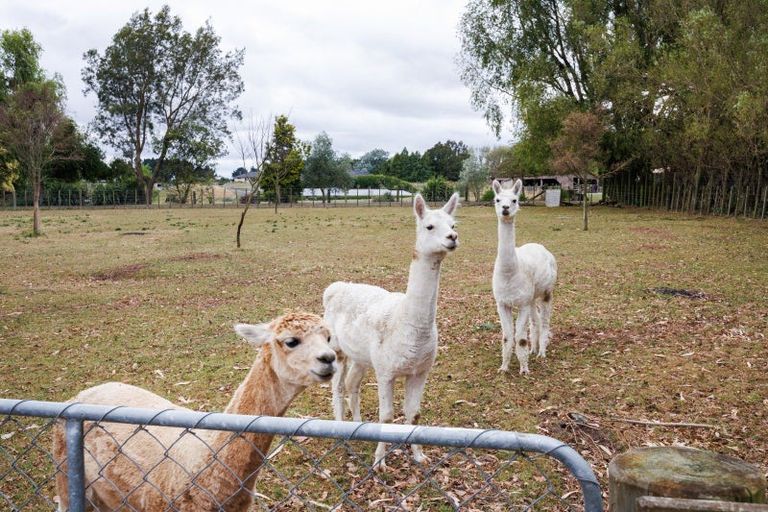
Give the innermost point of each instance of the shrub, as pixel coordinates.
(487, 196)
(437, 188)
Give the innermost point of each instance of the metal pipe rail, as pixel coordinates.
(76, 413)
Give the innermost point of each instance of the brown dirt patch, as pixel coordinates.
(119, 273)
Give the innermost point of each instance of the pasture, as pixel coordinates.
(148, 297)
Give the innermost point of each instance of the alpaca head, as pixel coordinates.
(435, 229)
(506, 200)
(298, 346)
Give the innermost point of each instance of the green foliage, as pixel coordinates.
(160, 86)
(407, 166)
(19, 60)
(446, 159)
(437, 189)
(324, 168)
(371, 163)
(488, 196)
(284, 159)
(474, 174)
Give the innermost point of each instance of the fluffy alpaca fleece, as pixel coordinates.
(393, 333)
(523, 277)
(128, 469)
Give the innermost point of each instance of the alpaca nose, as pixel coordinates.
(505, 207)
(327, 358)
(453, 236)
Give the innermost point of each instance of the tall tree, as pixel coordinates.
(446, 159)
(324, 168)
(474, 173)
(157, 84)
(19, 60)
(371, 162)
(33, 128)
(284, 159)
(577, 151)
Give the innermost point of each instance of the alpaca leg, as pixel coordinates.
(521, 339)
(354, 378)
(535, 324)
(508, 335)
(546, 314)
(414, 390)
(338, 389)
(386, 387)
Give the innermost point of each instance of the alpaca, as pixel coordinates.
(394, 333)
(523, 277)
(130, 468)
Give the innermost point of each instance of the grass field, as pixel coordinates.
(149, 297)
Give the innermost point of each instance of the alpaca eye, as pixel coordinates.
(329, 339)
(291, 342)
(498, 200)
(430, 227)
(514, 200)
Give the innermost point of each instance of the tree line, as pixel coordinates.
(663, 92)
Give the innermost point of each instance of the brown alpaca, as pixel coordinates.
(126, 469)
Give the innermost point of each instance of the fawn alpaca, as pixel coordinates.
(130, 469)
(393, 333)
(523, 277)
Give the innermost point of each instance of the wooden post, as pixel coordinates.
(765, 196)
(655, 504)
(730, 198)
(677, 472)
(746, 202)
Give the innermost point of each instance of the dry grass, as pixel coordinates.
(86, 303)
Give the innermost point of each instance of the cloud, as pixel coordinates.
(370, 74)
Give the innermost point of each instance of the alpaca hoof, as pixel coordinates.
(524, 371)
(542, 355)
(502, 369)
(420, 458)
(380, 466)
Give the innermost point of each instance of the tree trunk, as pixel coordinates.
(585, 227)
(36, 207)
(242, 217)
(277, 194)
(149, 187)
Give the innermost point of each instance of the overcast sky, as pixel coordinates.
(371, 74)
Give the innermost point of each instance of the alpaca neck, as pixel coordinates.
(421, 295)
(263, 394)
(506, 257)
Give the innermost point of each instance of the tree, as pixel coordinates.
(33, 129)
(406, 166)
(19, 60)
(240, 171)
(9, 173)
(284, 159)
(577, 151)
(157, 85)
(252, 143)
(474, 174)
(437, 188)
(501, 162)
(371, 162)
(324, 169)
(446, 159)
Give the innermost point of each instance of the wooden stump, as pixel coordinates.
(681, 473)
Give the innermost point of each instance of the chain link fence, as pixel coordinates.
(120, 458)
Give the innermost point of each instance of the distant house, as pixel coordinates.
(245, 177)
(565, 181)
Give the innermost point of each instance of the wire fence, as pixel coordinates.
(120, 458)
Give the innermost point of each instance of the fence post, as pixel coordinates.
(765, 196)
(75, 466)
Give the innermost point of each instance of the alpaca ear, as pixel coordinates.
(256, 335)
(496, 187)
(419, 206)
(452, 204)
(517, 187)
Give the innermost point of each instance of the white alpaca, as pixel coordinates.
(161, 468)
(523, 277)
(393, 333)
